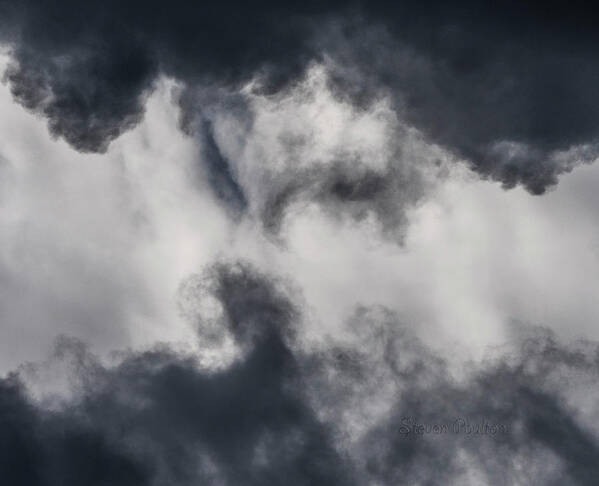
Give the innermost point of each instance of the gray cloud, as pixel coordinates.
(283, 412)
(158, 419)
(480, 86)
(346, 116)
(510, 90)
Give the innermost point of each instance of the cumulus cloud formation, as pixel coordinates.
(510, 88)
(272, 243)
(377, 408)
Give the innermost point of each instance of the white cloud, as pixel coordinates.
(95, 246)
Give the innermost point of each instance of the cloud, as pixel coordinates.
(277, 155)
(156, 418)
(304, 138)
(515, 98)
(94, 246)
(89, 69)
(355, 411)
(509, 89)
(87, 236)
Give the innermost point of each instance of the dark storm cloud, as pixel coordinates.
(87, 67)
(156, 418)
(511, 421)
(282, 414)
(510, 87)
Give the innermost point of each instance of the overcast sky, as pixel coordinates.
(254, 245)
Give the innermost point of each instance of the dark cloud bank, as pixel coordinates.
(280, 414)
(510, 87)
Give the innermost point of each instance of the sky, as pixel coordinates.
(339, 243)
